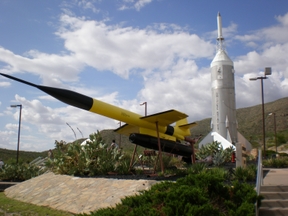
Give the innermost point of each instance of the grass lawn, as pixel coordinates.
(9, 206)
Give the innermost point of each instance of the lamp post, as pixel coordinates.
(18, 143)
(267, 72)
(145, 103)
(119, 135)
(135, 148)
(275, 133)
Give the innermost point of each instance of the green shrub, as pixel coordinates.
(281, 139)
(270, 153)
(124, 164)
(242, 199)
(281, 162)
(204, 193)
(197, 168)
(222, 172)
(207, 150)
(246, 173)
(94, 158)
(20, 172)
(219, 155)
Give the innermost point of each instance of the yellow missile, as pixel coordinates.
(135, 123)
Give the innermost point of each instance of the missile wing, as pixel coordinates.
(163, 119)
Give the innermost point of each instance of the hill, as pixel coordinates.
(250, 121)
(24, 156)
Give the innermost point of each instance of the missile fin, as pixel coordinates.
(153, 133)
(127, 129)
(181, 122)
(187, 126)
(165, 118)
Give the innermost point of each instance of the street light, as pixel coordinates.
(267, 72)
(145, 103)
(119, 135)
(14, 106)
(275, 133)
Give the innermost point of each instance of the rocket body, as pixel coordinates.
(223, 91)
(223, 122)
(223, 97)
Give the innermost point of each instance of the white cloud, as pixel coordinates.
(141, 3)
(88, 5)
(122, 49)
(268, 36)
(44, 65)
(5, 84)
(168, 58)
(134, 4)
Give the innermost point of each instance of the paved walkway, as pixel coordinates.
(73, 194)
(275, 176)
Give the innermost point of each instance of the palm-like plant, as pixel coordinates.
(219, 155)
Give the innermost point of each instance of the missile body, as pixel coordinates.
(223, 123)
(223, 92)
(134, 122)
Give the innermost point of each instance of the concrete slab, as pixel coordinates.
(75, 195)
(275, 177)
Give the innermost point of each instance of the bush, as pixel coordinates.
(204, 193)
(94, 158)
(281, 162)
(20, 172)
(197, 168)
(246, 173)
(219, 155)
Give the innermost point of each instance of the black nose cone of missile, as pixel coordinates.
(69, 97)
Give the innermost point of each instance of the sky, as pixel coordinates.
(126, 52)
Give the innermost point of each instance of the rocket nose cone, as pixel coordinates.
(221, 57)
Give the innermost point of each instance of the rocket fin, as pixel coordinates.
(165, 118)
(181, 122)
(184, 125)
(187, 126)
(229, 136)
(153, 133)
(207, 139)
(214, 136)
(127, 129)
(225, 143)
(227, 122)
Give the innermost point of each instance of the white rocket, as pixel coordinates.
(223, 123)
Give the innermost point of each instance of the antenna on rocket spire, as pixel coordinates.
(220, 37)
